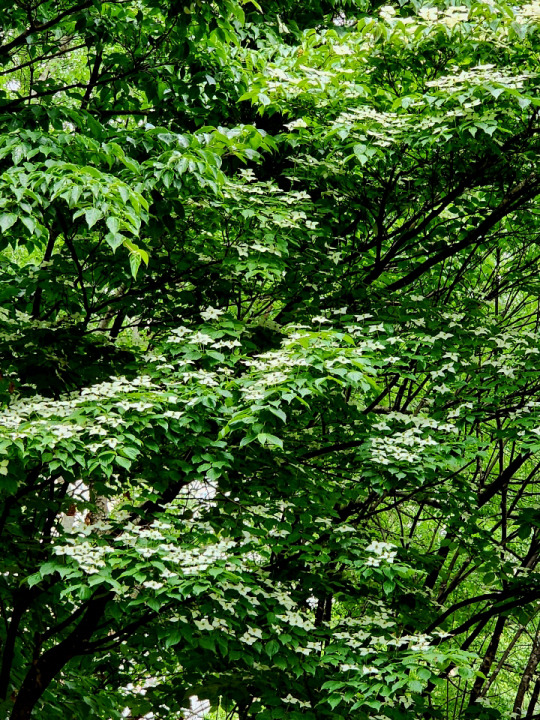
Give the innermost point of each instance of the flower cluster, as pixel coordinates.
(381, 551)
(90, 558)
(251, 635)
(295, 701)
(398, 447)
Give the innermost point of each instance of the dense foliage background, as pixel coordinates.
(270, 306)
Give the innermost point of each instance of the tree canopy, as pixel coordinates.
(270, 327)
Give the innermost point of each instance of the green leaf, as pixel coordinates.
(134, 263)
(267, 439)
(137, 250)
(272, 647)
(277, 412)
(123, 462)
(7, 220)
(334, 700)
(34, 579)
(113, 224)
(92, 215)
(116, 240)
(28, 222)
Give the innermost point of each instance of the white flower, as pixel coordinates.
(203, 624)
(181, 331)
(380, 548)
(251, 636)
(294, 701)
(387, 12)
(372, 562)
(251, 393)
(370, 670)
(247, 174)
(300, 123)
(228, 344)
(211, 313)
(320, 319)
(421, 644)
(201, 338)
(455, 15)
(153, 585)
(442, 388)
(430, 14)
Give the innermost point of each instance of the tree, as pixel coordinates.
(269, 291)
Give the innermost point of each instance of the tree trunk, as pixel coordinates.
(488, 658)
(50, 663)
(501, 662)
(533, 700)
(534, 658)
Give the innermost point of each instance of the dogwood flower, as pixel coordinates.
(211, 313)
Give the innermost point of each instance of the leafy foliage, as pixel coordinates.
(270, 327)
